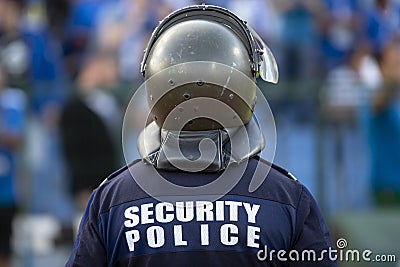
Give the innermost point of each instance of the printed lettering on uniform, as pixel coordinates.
(145, 223)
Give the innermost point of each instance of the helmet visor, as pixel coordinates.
(268, 69)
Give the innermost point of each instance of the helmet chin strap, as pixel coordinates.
(193, 151)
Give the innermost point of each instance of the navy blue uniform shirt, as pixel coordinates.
(279, 224)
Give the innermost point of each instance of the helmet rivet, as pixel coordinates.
(171, 82)
(200, 83)
(151, 97)
(186, 96)
(231, 96)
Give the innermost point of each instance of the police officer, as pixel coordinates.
(201, 195)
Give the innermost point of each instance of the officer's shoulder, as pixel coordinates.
(278, 178)
(119, 187)
(278, 185)
(276, 170)
(120, 173)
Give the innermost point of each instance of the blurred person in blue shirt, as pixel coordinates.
(339, 31)
(12, 108)
(45, 88)
(382, 24)
(384, 127)
(14, 61)
(79, 31)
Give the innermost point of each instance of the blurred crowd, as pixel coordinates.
(69, 67)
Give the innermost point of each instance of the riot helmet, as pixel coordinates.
(182, 43)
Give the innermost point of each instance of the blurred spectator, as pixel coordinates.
(14, 52)
(79, 30)
(298, 38)
(124, 27)
(384, 128)
(44, 62)
(339, 31)
(89, 123)
(12, 109)
(47, 88)
(46, 91)
(348, 184)
(261, 16)
(344, 87)
(382, 24)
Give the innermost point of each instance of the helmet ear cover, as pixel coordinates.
(210, 13)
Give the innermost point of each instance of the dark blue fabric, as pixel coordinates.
(47, 72)
(287, 218)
